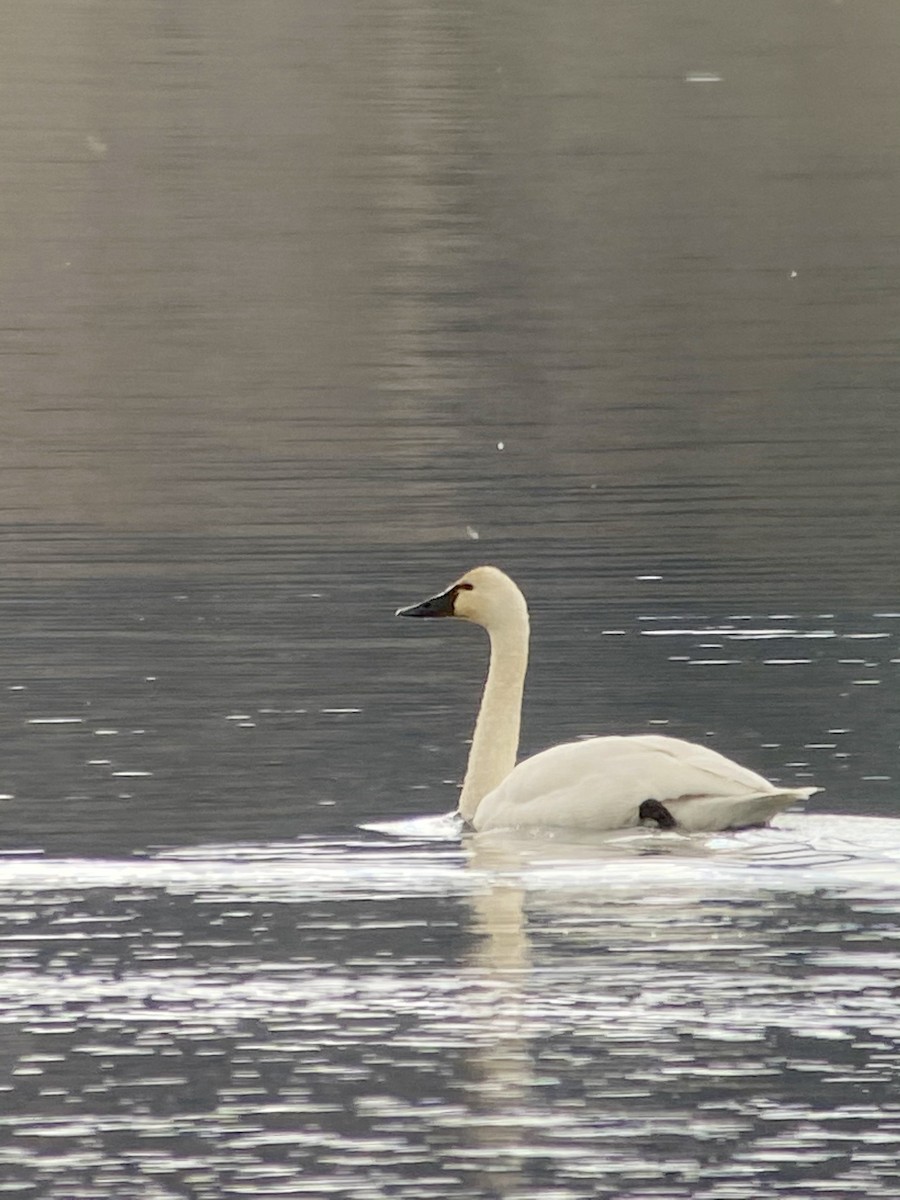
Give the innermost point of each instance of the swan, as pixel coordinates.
(600, 783)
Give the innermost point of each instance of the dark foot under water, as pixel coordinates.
(656, 811)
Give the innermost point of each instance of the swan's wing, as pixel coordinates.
(690, 754)
(602, 782)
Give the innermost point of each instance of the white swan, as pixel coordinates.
(597, 784)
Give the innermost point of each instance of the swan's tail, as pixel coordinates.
(715, 813)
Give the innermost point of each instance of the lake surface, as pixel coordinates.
(305, 309)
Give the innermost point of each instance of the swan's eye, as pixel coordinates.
(465, 587)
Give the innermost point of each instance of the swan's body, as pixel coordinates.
(596, 784)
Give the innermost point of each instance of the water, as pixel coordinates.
(673, 1016)
(306, 309)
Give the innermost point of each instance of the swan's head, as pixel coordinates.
(483, 595)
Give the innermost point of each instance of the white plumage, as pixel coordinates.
(602, 782)
(596, 784)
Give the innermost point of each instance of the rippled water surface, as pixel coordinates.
(305, 309)
(671, 1016)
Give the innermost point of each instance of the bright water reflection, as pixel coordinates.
(710, 1017)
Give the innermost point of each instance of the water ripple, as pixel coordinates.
(499, 1009)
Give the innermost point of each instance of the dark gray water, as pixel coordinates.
(304, 309)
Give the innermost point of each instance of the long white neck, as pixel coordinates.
(495, 742)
